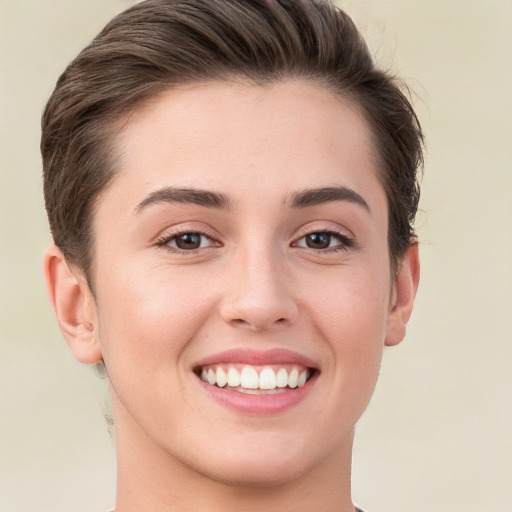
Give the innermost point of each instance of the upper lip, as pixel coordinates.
(257, 358)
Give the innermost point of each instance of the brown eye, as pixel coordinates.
(188, 241)
(318, 240)
(325, 241)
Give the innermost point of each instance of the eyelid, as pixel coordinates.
(345, 237)
(163, 239)
(323, 227)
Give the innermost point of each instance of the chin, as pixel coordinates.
(264, 460)
(256, 476)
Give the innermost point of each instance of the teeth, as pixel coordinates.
(222, 378)
(267, 379)
(293, 378)
(282, 378)
(233, 378)
(249, 381)
(249, 378)
(302, 379)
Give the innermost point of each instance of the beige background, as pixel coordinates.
(437, 435)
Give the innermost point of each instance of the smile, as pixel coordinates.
(255, 379)
(257, 382)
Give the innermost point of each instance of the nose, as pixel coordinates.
(259, 294)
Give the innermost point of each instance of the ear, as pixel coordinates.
(74, 306)
(405, 288)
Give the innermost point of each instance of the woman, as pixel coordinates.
(231, 188)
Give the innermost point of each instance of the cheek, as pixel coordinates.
(146, 323)
(147, 317)
(352, 305)
(352, 316)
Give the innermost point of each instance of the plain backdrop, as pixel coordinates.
(438, 433)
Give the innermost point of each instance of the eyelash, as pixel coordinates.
(344, 244)
(165, 240)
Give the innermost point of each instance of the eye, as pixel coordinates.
(318, 240)
(186, 241)
(322, 240)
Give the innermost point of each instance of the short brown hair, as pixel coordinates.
(159, 44)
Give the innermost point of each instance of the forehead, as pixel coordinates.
(239, 137)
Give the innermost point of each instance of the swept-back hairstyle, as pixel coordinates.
(160, 44)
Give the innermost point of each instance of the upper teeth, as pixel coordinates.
(249, 378)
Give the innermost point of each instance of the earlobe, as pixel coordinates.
(74, 306)
(406, 285)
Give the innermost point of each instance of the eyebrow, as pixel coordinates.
(193, 196)
(209, 199)
(316, 196)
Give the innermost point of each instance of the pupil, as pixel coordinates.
(189, 241)
(318, 240)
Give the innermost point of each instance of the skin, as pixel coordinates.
(254, 284)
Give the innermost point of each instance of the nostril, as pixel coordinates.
(241, 321)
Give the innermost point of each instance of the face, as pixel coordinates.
(242, 282)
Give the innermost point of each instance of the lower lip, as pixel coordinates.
(258, 404)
